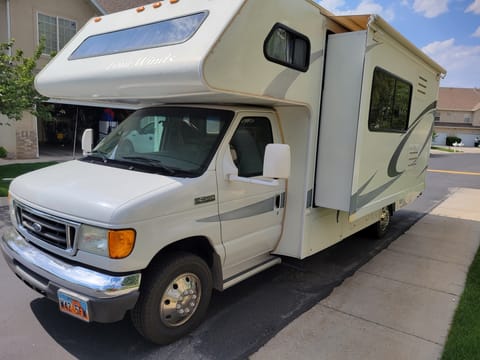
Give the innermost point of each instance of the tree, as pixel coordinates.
(17, 93)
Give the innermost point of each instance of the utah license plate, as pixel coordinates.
(73, 305)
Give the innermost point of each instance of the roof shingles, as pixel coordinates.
(111, 6)
(466, 99)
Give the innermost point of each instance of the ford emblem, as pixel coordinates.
(37, 227)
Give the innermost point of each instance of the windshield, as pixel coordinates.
(171, 140)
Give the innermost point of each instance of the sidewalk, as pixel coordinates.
(400, 304)
(460, 150)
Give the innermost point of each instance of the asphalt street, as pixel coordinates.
(240, 320)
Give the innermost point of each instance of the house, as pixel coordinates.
(458, 114)
(111, 6)
(27, 21)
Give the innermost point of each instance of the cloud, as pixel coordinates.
(438, 47)
(364, 7)
(477, 33)
(474, 7)
(431, 8)
(461, 62)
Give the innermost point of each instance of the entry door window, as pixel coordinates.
(248, 145)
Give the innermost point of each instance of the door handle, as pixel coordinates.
(280, 201)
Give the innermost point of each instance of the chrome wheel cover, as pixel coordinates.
(180, 300)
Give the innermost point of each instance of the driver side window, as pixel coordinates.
(248, 145)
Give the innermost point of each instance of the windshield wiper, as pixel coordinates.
(149, 161)
(101, 154)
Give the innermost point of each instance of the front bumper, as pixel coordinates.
(109, 296)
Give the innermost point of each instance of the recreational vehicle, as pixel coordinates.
(264, 130)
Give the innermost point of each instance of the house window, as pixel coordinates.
(467, 118)
(437, 116)
(56, 31)
(287, 47)
(390, 102)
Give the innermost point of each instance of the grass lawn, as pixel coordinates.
(463, 341)
(13, 170)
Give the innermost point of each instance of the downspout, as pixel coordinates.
(99, 7)
(9, 26)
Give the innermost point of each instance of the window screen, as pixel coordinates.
(66, 30)
(287, 47)
(56, 31)
(390, 102)
(162, 33)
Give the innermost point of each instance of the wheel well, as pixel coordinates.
(200, 246)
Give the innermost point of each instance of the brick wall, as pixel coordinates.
(27, 144)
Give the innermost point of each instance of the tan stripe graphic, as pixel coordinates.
(455, 172)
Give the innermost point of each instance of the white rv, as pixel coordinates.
(264, 129)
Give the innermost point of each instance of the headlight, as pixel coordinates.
(11, 210)
(93, 240)
(116, 244)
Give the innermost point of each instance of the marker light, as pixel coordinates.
(97, 19)
(140, 9)
(120, 243)
(174, 1)
(157, 5)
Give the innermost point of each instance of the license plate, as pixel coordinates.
(73, 305)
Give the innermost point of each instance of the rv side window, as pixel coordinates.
(161, 33)
(390, 102)
(248, 145)
(287, 47)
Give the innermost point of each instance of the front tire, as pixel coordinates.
(174, 298)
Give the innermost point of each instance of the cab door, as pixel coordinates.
(251, 215)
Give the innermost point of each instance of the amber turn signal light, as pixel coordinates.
(120, 243)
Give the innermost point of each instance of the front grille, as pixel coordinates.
(46, 228)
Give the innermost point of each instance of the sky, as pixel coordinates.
(446, 30)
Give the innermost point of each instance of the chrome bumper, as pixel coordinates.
(39, 269)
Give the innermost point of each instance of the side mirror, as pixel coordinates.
(276, 165)
(87, 141)
(276, 162)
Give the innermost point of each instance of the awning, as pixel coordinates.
(376, 23)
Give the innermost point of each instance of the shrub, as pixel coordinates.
(453, 139)
(3, 152)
